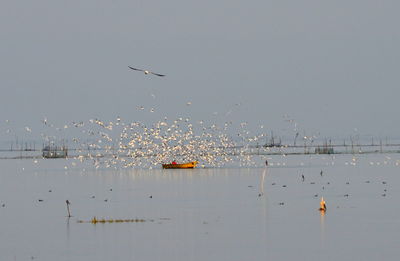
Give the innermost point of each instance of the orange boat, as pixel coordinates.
(189, 165)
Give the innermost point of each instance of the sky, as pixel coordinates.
(324, 67)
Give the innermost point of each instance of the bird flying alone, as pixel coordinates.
(146, 71)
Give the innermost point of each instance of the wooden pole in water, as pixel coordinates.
(68, 203)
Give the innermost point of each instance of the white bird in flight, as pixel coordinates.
(146, 71)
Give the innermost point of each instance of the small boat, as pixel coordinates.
(189, 165)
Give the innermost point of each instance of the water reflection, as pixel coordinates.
(322, 225)
(68, 235)
(68, 228)
(262, 182)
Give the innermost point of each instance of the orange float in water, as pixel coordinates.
(322, 205)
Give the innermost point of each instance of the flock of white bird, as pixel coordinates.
(138, 145)
(135, 144)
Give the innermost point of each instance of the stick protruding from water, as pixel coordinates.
(68, 203)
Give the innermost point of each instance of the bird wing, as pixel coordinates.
(161, 75)
(135, 69)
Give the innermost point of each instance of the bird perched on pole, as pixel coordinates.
(146, 71)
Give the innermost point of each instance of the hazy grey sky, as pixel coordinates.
(332, 66)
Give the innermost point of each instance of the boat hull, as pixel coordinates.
(189, 165)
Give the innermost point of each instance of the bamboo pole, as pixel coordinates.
(68, 203)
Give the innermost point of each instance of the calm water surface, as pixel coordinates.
(203, 214)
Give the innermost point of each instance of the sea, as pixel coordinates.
(230, 213)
